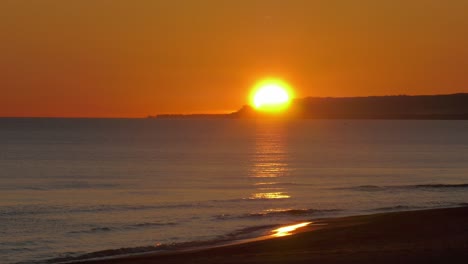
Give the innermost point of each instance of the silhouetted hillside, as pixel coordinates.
(453, 106)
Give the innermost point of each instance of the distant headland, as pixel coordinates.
(429, 107)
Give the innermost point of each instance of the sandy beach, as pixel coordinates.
(426, 236)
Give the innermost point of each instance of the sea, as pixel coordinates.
(90, 188)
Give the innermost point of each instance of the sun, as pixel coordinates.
(271, 95)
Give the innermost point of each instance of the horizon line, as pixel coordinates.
(222, 113)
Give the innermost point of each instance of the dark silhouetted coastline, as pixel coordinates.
(424, 107)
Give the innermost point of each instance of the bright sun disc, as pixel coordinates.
(271, 95)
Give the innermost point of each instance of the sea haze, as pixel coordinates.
(70, 187)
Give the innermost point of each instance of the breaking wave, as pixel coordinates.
(60, 209)
(244, 233)
(122, 228)
(371, 188)
(396, 208)
(279, 213)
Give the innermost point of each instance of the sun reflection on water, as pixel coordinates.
(288, 230)
(270, 188)
(266, 183)
(269, 161)
(271, 195)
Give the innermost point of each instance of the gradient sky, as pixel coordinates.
(115, 58)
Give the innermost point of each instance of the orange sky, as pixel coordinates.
(116, 58)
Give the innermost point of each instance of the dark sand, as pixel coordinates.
(429, 236)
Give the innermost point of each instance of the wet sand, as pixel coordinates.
(427, 236)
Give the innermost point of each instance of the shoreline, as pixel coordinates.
(421, 236)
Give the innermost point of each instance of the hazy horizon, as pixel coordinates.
(230, 111)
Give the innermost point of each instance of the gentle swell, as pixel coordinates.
(239, 234)
(61, 209)
(122, 228)
(281, 213)
(396, 208)
(101, 254)
(62, 186)
(463, 185)
(372, 188)
(281, 184)
(293, 212)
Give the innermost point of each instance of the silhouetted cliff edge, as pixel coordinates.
(452, 106)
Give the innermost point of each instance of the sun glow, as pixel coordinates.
(271, 95)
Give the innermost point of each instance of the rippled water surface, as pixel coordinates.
(69, 187)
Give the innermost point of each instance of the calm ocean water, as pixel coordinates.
(70, 187)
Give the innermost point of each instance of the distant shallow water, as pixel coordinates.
(70, 187)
